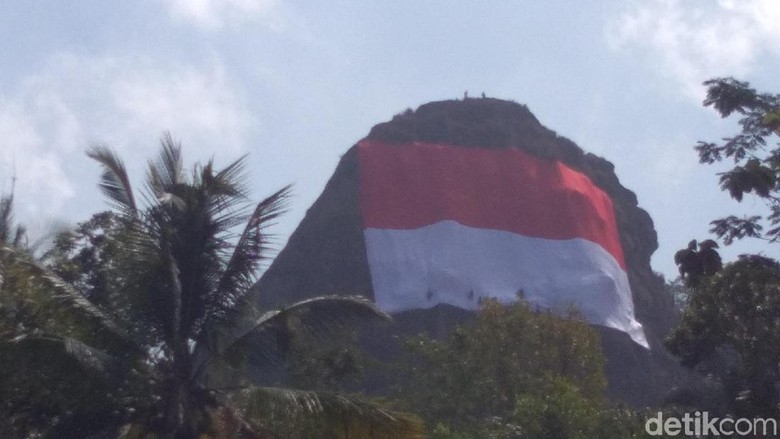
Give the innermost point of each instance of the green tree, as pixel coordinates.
(173, 314)
(727, 329)
(755, 153)
(41, 384)
(679, 292)
(731, 329)
(560, 410)
(513, 372)
(86, 256)
(335, 364)
(696, 265)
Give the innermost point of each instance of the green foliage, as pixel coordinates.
(164, 309)
(512, 373)
(561, 411)
(51, 394)
(731, 328)
(679, 292)
(11, 234)
(295, 414)
(442, 431)
(88, 257)
(756, 164)
(332, 364)
(53, 384)
(696, 265)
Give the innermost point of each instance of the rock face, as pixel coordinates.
(327, 254)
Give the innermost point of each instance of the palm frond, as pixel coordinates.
(230, 181)
(114, 182)
(169, 164)
(130, 431)
(329, 414)
(250, 251)
(48, 379)
(6, 218)
(20, 237)
(320, 315)
(264, 338)
(52, 304)
(89, 358)
(165, 175)
(228, 421)
(227, 195)
(10, 233)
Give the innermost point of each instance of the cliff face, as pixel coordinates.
(326, 254)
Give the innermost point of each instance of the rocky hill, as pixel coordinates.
(326, 254)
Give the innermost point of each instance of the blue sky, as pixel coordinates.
(295, 83)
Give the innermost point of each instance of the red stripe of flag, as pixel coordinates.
(408, 186)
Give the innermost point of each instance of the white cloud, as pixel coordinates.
(215, 14)
(695, 41)
(26, 158)
(125, 102)
(201, 106)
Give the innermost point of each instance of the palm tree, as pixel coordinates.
(177, 313)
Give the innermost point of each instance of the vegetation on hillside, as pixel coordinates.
(513, 372)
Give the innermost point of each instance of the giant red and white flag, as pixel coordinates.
(449, 224)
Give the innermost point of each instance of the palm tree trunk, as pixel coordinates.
(178, 416)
